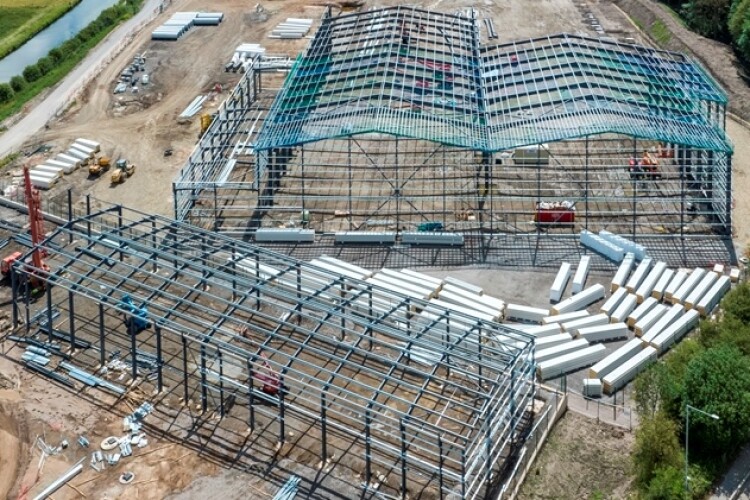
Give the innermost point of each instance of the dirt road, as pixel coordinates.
(35, 120)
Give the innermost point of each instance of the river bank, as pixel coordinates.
(22, 20)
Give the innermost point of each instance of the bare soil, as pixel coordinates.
(581, 459)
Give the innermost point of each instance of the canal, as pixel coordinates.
(53, 35)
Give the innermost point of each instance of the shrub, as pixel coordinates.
(45, 65)
(6, 92)
(56, 55)
(656, 447)
(31, 73)
(18, 83)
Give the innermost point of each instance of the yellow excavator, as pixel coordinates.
(122, 171)
(98, 166)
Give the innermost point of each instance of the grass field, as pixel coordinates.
(20, 20)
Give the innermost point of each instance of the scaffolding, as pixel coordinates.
(398, 119)
(437, 399)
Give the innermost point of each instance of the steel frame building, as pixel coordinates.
(438, 400)
(397, 117)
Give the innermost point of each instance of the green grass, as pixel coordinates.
(20, 20)
(660, 32)
(637, 22)
(4, 162)
(58, 73)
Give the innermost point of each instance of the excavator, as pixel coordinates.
(33, 202)
(100, 165)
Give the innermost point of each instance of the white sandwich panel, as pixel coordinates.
(570, 362)
(42, 182)
(409, 292)
(66, 167)
(641, 311)
(561, 281)
(559, 350)
(425, 292)
(572, 327)
(472, 304)
(437, 282)
(581, 274)
(89, 143)
(674, 332)
(544, 330)
(679, 278)
(485, 299)
(462, 284)
(602, 246)
(639, 275)
(580, 301)
(628, 245)
(624, 309)
(650, 319)
(718, 268)
(68, 159)
(688, 286)
(626, 372)
(616, 358)
(613, 301)
(649, 282)
(398, 275)
(47, 169)
(700, 289)
(362, 272)
(592, 387)
(468, 311)
(604, 333)
(561, 318)
(661, 285)
(713, 296)
(734, 274)
(525, 313)
(672, 315)
(336, 270)
(551, 341)
(623, 272)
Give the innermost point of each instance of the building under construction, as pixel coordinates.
(399, 120)
(340, 371)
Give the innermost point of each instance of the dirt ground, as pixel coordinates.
(581, 459)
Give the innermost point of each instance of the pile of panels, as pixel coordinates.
(194, 106)
(612, 246)
(45, 175)
(181, 22)
(292, 28)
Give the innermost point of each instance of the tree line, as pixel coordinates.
(108, 18)
(711, 372)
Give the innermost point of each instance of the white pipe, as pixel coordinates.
(73, 472)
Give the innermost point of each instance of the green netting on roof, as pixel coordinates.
(424, 75)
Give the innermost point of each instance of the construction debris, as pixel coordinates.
(292, 28)
(194, 106)
(127, 477)
(181, 22)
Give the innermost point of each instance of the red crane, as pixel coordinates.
(36, 223)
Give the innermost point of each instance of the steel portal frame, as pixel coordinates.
(346, 358)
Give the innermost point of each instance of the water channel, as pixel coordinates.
(53, 35)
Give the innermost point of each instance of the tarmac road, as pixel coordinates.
(15, 136)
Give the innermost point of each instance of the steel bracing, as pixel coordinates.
(398, 117)
(436, 397)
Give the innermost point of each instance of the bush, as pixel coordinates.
(6, 92)
(56, 55)
(18, 83)
(45, 65)
(708, 17)
(656, 447)
(668, 483)
(70, 46)
(31, 73)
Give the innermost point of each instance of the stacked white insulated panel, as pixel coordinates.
(544, 330)
(623, 272)
(516, 312)
(572, 327)
(561, 281)
(579, 301)
(611, 303)
(463, 285)
(47, 169)
(718, 268)
(79, 155)
(626, 372)
(628, 245)
(65, 166)
(661, 285)
(638, 275)
(624, 309)
(679, 278)
(68, 159)
(485, 299)
(570, 362)
(437, 282)
(561, 318)
(603, 333)
(734, 274)
(551, 341)
(426, 289)
(358, 271)
(713, 296)
(616, 358)
(700, 289)
(291, 28)
(672, 315)
(559, 350)
(649, 283)
(467, 310)
(602, 246)
(338, 270)
(690, 283)
(42, 182)
(641, 311)
(676, 331)
(89, 144)
(592, 387)
(582, 272)
(650, 319)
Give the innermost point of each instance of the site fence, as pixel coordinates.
(613, 414)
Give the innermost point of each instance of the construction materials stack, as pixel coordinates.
(292, 28)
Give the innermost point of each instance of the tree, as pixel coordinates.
(737, 303)
(31, 73)
(18, 83)
(56, 55)
(650, 389)
(656, 446)
(718, 381)
(45, 65)
(708, 17)
(6, 92)
(668, 483)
